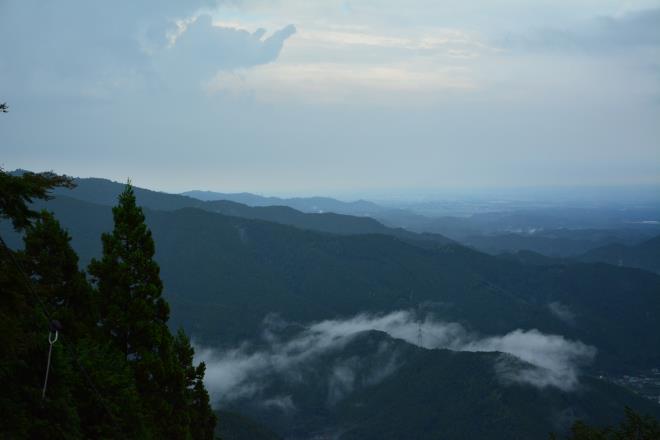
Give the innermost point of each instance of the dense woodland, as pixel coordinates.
(116, 369)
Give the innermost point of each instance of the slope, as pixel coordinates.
(645, 255)
(224, 275)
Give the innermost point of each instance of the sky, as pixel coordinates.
(333, 96)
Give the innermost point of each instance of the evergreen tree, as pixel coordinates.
(134, 316)
(133, 313)
(53, 266)
(17, 192)
(201, 418)
(24, 329)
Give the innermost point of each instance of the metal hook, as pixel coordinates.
(51, 340)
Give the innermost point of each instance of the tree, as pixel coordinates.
(53, 266)
(133, 312)
(633, 427)
(18, 192)
(134, 316)
(3, 107)
(200, 416)
(117, 372)
(24, 328)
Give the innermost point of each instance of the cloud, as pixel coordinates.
(562, 312)
(205, 48)
(342, 379)
(243, 372)
(91, 49)
(633, 30)
(556, 360)
(339, 82)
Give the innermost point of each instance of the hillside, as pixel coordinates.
(224, 274)
(376, 387)
(234, 426)
(304, 204)
(104, 192)
(645, 255)
(555, 243)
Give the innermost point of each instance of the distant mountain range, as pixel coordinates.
(105, 192)
(557, 243)
(224, 274)
(304, 204)
(644, 255)
(553, 232)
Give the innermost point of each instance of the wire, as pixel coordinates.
(44, 310)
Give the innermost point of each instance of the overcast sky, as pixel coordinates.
(332, 96)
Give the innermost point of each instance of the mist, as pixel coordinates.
(548, 360)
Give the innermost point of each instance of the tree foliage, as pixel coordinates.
(633, 427)
(18, 192)
(116, 371)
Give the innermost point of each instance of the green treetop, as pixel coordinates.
(133, 313)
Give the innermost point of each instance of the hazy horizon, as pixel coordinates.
(560, 194)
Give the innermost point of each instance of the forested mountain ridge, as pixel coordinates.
(645, 255)
(431, 393)
(479, 231)
(556, 243)
(225, 274)
(104, 192)
(304, 204)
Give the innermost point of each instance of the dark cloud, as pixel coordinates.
(89, 47)
(204, 48)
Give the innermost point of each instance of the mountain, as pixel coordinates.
(105, 192)
(600, 225)
(304, 204)
(533, 258)
(377, 387)
(645, 255)
(224, 275)
(559, 243)
(242, 282)
(234, 426)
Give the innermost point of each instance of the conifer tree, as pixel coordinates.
(133, 313)
(17, 192)
(24, 329)
(134, 316)
(200, 416)
(53, 265)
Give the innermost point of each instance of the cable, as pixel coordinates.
(44, 310)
